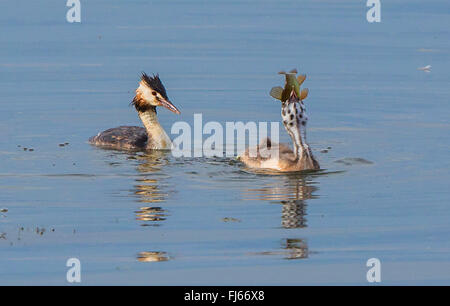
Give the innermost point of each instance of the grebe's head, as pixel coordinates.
(293, 113)
(151, 93)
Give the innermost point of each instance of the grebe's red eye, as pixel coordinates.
(154, 93)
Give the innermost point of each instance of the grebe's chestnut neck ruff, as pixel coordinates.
(150, 94)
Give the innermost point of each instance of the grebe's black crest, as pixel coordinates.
(155, 84)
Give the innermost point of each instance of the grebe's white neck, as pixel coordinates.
(157, 137)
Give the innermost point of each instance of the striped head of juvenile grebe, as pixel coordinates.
(293, 113)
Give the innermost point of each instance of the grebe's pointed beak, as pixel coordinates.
(293, 97)
(167, 104)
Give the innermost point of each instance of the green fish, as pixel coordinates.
(292, 83)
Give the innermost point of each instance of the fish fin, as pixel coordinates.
(301, 78)
(304, 93)
(276, 92)
(293, 71)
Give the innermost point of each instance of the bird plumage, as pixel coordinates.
(281, 157)
(150, 94)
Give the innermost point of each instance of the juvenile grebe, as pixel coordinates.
(294, 121)
(150, 94)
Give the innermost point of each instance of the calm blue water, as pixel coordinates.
(134, 218)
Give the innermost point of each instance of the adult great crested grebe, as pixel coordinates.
(150, 94)
(293, 113)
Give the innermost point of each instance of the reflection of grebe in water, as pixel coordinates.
(151, 192)
(150, 94)
(152, 256)
(149, 188)
(292, 194)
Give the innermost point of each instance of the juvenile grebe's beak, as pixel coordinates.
(293, 97)
(167, 104)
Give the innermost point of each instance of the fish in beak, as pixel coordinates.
(292, 83)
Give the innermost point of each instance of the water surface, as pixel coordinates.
(379, 127)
